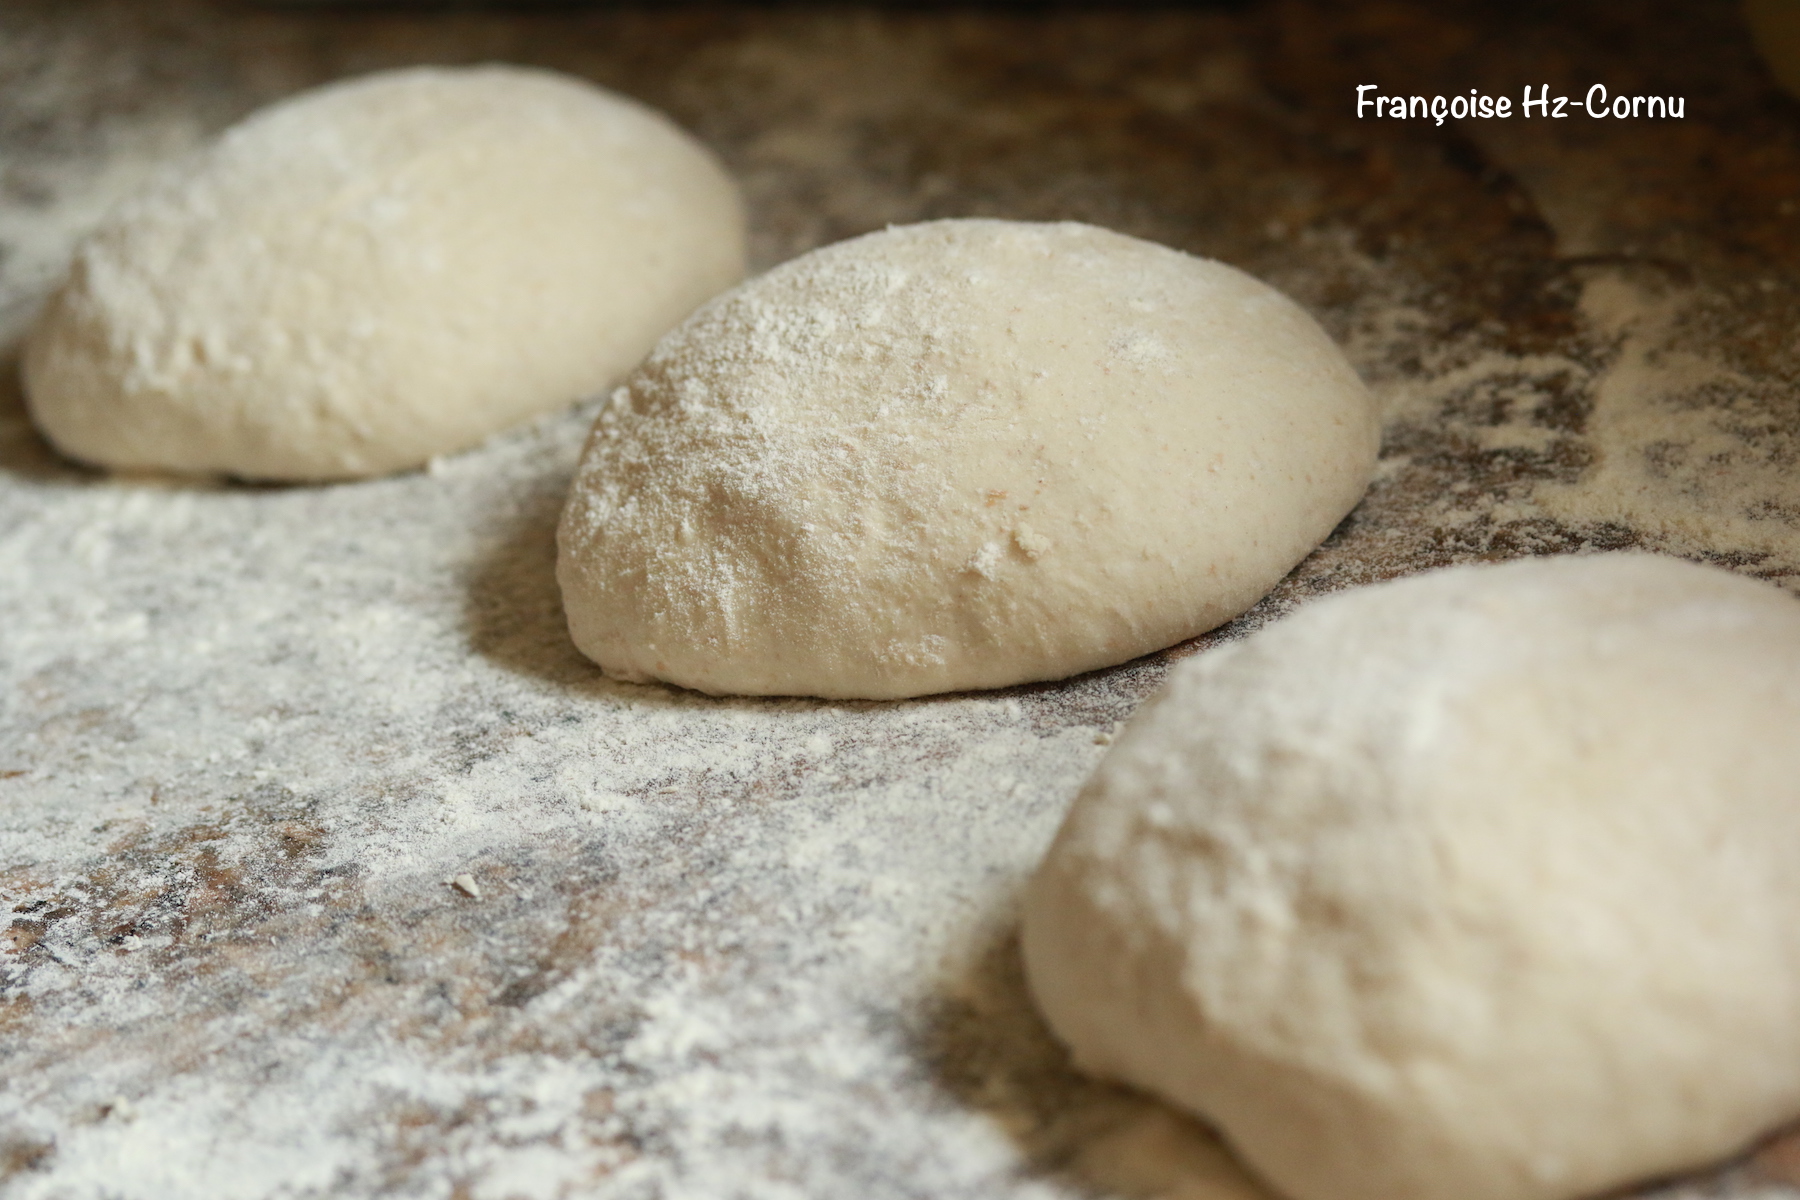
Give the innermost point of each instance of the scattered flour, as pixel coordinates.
(1694, 454)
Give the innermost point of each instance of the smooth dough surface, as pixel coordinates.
(962, 454)
(378, 271)
(1477, 885)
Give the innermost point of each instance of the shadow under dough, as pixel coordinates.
(24, 452)
(513, 615)
(513, 610)
(28, 454)
(983, 1042)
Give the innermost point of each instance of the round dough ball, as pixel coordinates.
(379, 271)
(1478, 885)
(962, 454)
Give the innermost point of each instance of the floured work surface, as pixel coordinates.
(249, 736)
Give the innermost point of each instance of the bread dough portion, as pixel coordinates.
(962, 454)
(378, 271)
(1479, 884)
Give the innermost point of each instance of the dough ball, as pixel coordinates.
(379, 271)
(1479, 885)
(963, 454)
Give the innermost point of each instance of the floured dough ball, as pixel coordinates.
(378, 271)
(963, 454)
(1475, 886)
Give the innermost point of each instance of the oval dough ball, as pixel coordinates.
(963, 454)
(1478, 885)
(379, 271)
